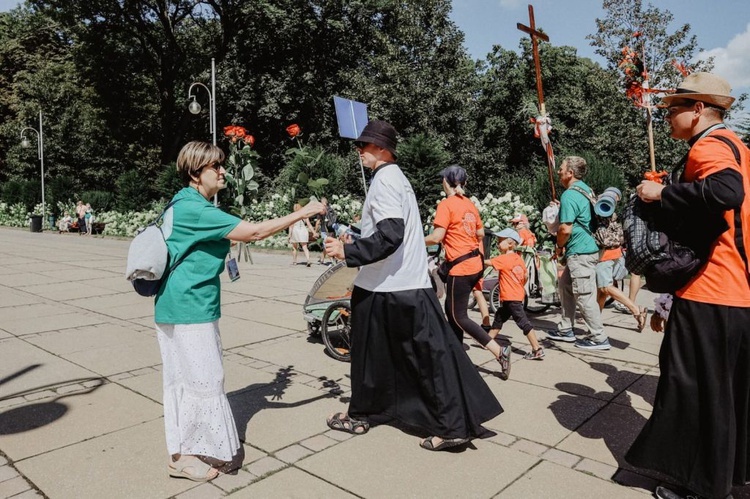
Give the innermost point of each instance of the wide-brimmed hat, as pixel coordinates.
(381, 134)
(508, 233)
(703, 87)
(454, 175)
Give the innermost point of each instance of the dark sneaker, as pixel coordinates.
(590, 343)
(665, 493)
(535, 354)
(486, 328)
(566, 336)
(504, 361)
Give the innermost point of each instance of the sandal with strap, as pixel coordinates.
(342, 422)
(445, 443)
(192, 468)
(640, 317)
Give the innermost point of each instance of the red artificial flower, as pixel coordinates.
(637, 34)
(249, 140)
(229, 131)
(293, 130)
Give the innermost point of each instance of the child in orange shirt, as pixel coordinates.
(512, 276)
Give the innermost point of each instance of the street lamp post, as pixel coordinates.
(195, 108)
(40, 152)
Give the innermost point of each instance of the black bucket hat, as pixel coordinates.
(381, 134)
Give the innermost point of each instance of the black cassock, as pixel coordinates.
(407, 364)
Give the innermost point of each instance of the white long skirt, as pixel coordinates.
(197, 417)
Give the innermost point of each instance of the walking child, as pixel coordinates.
(512, 275)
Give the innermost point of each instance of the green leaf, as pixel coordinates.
(248, 172)
(303, 178)
(240, 200)
(253, 185)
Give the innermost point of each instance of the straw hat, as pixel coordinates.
(703, 87)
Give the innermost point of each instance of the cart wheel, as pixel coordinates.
(313, 329)
(494, 301)
(336, 330)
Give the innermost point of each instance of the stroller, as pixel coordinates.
(327, 310)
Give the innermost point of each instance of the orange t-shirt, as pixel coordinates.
(460, 219)
(512, 275)
(723, 280)
(527, 237)
(610, 254)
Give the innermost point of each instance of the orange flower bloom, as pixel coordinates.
(249, 140)
(293, 130)
(234, 131)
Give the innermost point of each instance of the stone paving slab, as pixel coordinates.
(528, 415)
(39, 427)
(276, 416)
(26, 368)
(480, 470)
(565, 483)
(292, 483)
(130, 463)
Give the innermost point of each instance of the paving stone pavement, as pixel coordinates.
(81, 414)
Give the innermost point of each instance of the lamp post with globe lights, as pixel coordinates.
(40, 151)
(195, 108)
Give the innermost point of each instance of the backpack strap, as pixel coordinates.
(591, 199)
(155, 222)
(738, 235)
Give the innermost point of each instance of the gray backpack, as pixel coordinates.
(148, 256)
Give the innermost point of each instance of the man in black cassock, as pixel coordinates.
(407, 365)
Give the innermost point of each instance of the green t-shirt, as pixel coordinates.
(575, 208)
(192, 292)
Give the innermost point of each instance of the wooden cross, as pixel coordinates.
(534, 33)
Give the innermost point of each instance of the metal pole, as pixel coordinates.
(41, 162)
(213, 98)
(212, 105)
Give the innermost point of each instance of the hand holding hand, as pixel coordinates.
(313, 208)
(649, 191)
(334, 248)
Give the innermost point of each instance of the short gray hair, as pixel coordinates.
(577, 165)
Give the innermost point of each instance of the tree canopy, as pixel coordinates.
(111, 77)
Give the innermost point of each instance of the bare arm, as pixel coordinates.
(563, 234)
(249, 231)
(437, 236)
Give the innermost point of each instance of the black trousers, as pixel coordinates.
(698, 431)
(457, 292)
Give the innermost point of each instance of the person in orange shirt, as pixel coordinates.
(698, 431)
(520, 223)
(512, 275)
(459, 228)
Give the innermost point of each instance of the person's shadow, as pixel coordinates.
(27, 417)
(249, 401)
(617, 423)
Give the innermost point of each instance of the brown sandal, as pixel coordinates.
(641, 319)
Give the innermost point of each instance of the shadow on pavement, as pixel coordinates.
(616, 424)
(35, 415)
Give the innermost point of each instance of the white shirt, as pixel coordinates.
(391, 196)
